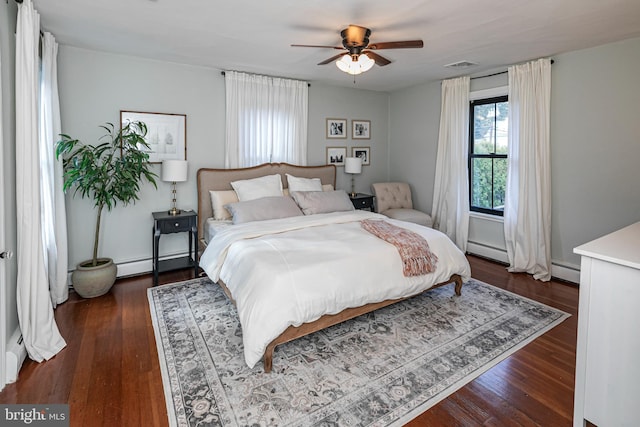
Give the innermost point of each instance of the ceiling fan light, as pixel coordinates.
(348, 65)
(365, 62)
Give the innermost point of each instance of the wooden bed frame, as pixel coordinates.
(294, 332)
(220, 179)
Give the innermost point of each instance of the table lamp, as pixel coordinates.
(353, 166)
(174, 171)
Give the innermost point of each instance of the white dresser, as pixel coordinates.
(608, 352)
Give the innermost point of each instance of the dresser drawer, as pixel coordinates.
(362, 201)
(175, 225)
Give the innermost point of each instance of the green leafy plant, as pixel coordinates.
(109, 172)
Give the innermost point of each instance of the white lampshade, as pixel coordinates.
(174, 170)
(353, 165)
(348, 65)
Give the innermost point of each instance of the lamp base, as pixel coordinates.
(352, 194)
(174, 211)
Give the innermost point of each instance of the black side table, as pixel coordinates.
(164, 223)
(362, 201)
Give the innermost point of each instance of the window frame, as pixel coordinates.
(474, 102)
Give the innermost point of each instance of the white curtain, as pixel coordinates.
(266, 120)
(450, 209)
(54, 221)
(527, 212)
(35, 312)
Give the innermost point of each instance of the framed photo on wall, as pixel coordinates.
(166, 134)
(360, 129)
(336, 155)
(364, 153)
(336, 128)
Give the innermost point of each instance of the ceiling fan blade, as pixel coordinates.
(333, 58)
(380, 60)
(397, 45)
(322, 46)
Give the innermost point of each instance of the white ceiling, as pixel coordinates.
(255, 35)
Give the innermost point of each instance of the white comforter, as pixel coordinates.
(294, 270)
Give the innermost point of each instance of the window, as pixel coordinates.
(488, 144)
(266, 120)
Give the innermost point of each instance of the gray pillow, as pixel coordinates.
(316, 202)
(263, 209)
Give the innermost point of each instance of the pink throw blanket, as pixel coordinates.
(417, 258)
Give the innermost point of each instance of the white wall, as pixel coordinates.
(9, 270)
(594, 137)
(414, 116)
(95, 86)
(595, 144)
(346, 103)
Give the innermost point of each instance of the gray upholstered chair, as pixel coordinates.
(393, 199)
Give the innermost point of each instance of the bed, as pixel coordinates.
(293, 276)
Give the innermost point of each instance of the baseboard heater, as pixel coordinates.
(559, 270)
(16, 354)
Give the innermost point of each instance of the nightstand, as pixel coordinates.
(164, 223)
(362, 201)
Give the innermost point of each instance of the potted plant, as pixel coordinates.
(109, 172)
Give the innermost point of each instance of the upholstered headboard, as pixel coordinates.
(220, 179)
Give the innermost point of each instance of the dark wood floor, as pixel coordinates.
(109, 372)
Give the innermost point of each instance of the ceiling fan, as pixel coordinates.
(358, 55)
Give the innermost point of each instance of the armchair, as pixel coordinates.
(393, 199)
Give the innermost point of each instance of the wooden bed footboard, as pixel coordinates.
(294, 332)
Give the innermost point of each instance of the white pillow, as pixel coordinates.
(325, 187)
(218, 200)
(316, 202)
(303, 184)
(256, 188)
(263, 209)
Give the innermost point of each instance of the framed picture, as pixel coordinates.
(364, 153)
(336, 128)
(166, 134)
(360, 129)
(336, 155)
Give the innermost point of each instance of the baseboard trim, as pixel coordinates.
(135, 268)
(16, 355)
(564, 272)
(144, 266)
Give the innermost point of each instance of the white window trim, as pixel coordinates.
(486, 216)
(489, 93)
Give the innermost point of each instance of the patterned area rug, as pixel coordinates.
(380, 369)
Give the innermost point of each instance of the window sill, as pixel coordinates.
(488, 217)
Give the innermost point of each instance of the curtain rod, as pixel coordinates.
(224, 73)
(497, 74)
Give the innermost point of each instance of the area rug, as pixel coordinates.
(380, 369)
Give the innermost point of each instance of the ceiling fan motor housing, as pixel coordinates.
(355, 37)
